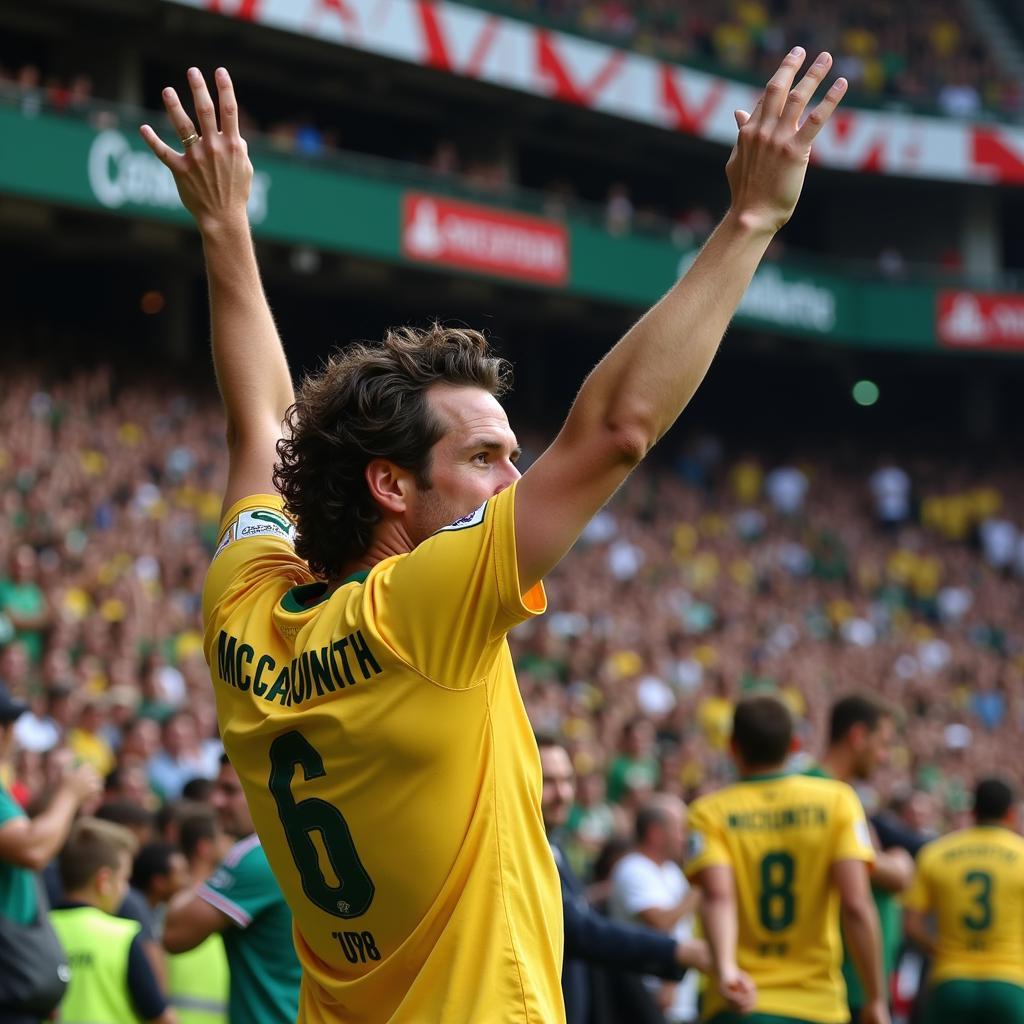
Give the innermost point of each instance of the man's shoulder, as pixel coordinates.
(634, 866)
(246, 857)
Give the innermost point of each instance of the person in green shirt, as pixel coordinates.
(637, 764)
(24, 603)
(242, 901)
(860, 736)
(27, 846)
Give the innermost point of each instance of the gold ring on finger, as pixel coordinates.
(190, 140)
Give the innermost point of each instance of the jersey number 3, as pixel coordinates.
(300, 819)
(980, 917)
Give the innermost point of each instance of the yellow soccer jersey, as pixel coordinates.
(391, 770)
(781, 834)
(973, 882)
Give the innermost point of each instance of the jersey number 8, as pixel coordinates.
(777, 906)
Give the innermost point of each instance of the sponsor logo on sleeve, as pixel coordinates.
(257, 522)
(467, 522)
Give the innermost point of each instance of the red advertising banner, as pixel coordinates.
(981, 320)
(490, 241)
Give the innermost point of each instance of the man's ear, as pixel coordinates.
(102, 879)
(389, 485)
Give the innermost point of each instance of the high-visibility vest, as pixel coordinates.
(198, 983)
(97, 946)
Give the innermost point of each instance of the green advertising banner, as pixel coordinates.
(66, 160)
(106, 166)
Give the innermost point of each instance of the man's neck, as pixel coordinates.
(837, 765)
(390, 538)
(84, 896)
(653, 855)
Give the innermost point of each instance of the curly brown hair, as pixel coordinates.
(369, 402)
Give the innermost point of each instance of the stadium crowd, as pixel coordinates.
(899, 54)
(811, 573)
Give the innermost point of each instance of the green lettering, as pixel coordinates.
(279, 691)
(258, 686)
(321, 673)
(226, 658)
(364, 655)
(244, 679)
(339, 646)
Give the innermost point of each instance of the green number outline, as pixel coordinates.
(299, 819)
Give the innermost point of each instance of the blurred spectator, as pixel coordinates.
(198, 980)
(159, 872)
(648, 887)
(26, 846)
(786, 487)
(618, 210)
(890, 488)
(111, 977)
(242, 902)
(181, 757)
(23, 601)
(591, 940)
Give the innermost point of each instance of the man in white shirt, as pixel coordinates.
(648, 887)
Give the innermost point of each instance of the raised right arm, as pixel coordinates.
(213, 176)
(641, 386)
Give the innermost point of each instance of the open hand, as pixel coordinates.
(214, 174)
(767, 167)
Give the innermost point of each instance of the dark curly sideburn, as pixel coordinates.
(369, 402)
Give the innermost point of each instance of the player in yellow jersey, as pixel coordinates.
(364, 684)
(780, 857)
(971, 883)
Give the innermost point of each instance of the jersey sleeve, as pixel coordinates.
(148, 1000)
(242, 890)
(256, 540)
(705, 844)
(852, 835)
(446, 607)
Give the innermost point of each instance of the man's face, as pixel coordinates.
(559, 786)
(871, 748)
(176, 879)
(228, 801)
(473, 461)
(674, 833)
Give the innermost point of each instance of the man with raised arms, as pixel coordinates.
(377, 545)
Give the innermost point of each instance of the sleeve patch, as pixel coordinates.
(467, 522)
(695, 845)
(257, 522)
(863, 834)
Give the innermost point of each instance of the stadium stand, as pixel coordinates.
(793, 550)
(892, 53)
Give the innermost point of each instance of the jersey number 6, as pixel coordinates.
(300, 819)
